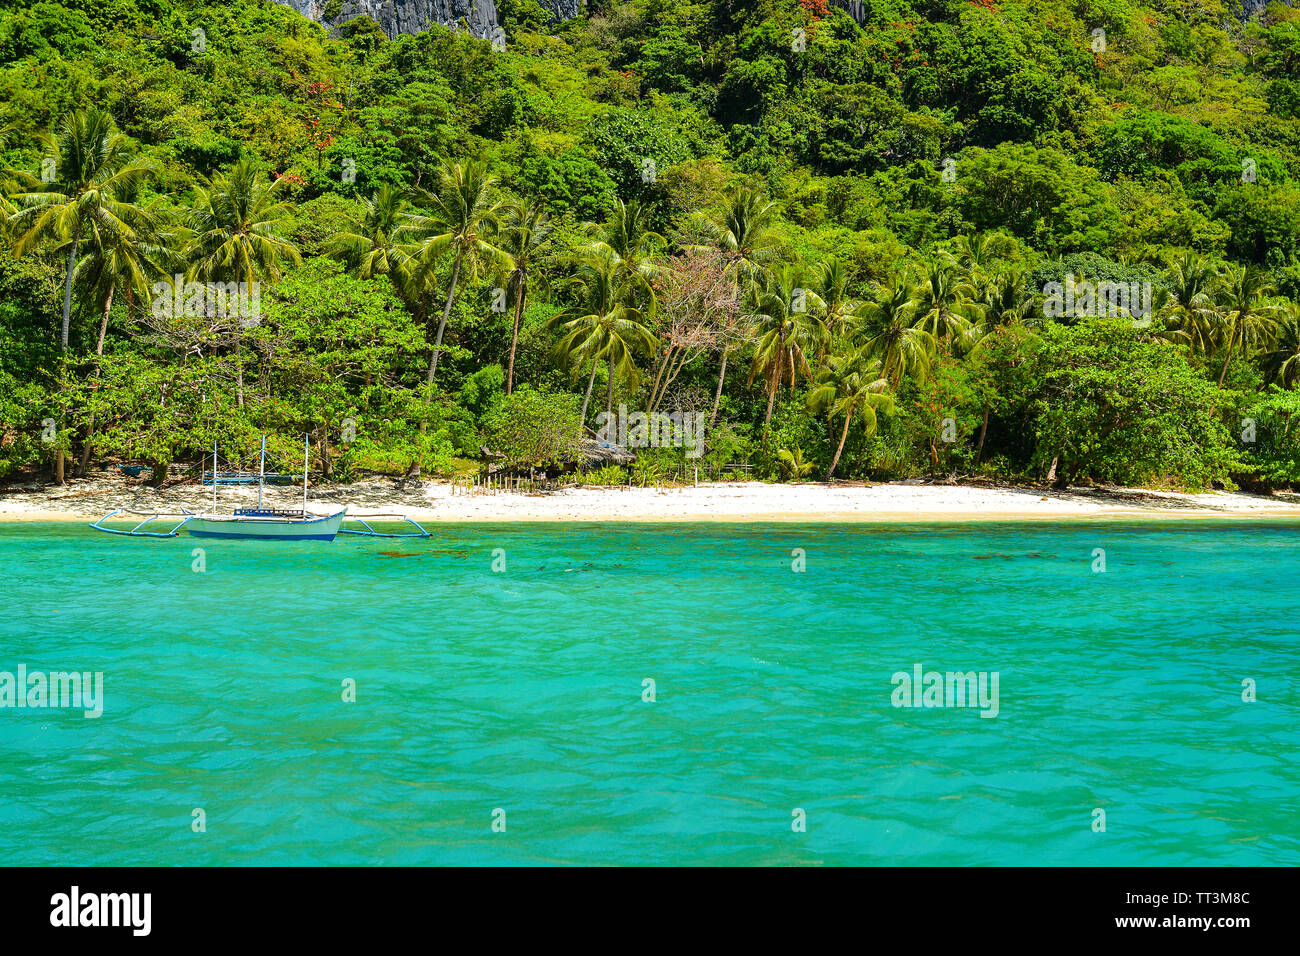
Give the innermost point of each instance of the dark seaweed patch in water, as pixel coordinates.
(1011, 557)
(399, 554)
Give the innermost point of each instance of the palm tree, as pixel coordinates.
(627, 235)
(742, 230)
(463, 219)
(1007, 301)
(840, 308)
(375, 246)
(976, 255)
(7, 208)
(1242, 316)
(124, 260)
(372, 247)
(786, 328)
(1283, 360)
(850, 386)
(943, 306)
(607, 323)
(1188, 309)
(92, 164)
(891, 335)
(7, 211)
(236, 236)
(792, 464)
(85, 171)
(527, 232)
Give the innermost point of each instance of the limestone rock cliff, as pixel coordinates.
(412, 16)
(563, 9)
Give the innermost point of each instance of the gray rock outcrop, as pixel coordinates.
(412, 16)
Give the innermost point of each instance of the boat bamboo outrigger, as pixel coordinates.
(261, 522)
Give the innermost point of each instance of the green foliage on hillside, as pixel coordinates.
(835, 230)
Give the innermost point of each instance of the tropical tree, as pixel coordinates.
(849, 386)
(943, 298)
(526, 234)
(463, 219)
(786, 327)
(1242, 316)
(1282, 362)
(977, 255)
(791, 464)
(122, 260)
(236, 237)
(742, 230)
(607, 323)
(75, 198)
(626, 235)
(1007, 301)
(840, 307)
(373, 245)
(1188, 311)
(126, 259)
(890, 335)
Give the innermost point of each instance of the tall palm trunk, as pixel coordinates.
(67, 292)
(103, 323)
(717, 395)
(776, 380)
(586, 399)
(63, 341)
(984, 427)
(422, 310)
(239, 352)
(1232, 341)
(840, 448)
(446, 314)
(609, 404)
(514, 335)
(99, 353)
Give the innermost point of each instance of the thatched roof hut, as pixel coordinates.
(598, 453)
(591, 452)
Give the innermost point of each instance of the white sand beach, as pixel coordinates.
(89, 499)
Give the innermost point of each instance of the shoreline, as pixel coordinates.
(87, 500)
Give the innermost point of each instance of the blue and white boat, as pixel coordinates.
(262, 522)
(268, 523)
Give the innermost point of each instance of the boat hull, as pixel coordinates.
(266, 528)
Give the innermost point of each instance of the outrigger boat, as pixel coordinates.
(261, 522)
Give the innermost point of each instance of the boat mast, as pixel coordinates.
(214, 476)
(261, 474)
(304, 475)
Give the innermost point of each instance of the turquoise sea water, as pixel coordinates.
(522, 691)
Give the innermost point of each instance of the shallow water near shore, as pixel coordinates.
(522, 691)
